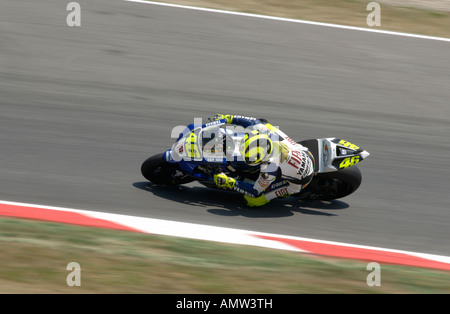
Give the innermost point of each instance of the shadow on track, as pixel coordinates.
(233, 204)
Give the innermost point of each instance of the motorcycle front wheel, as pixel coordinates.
(157, 170)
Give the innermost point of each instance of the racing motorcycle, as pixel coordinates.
(201, 151)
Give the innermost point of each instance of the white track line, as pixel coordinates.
(282, 19)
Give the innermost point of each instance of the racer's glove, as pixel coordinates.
(228, 117)
(256, 201)
(224, 181)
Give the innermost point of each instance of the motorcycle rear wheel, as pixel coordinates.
(332, 185)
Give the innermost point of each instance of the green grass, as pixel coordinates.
(34, 256)
(344, 12)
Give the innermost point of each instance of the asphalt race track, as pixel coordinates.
(82, 107)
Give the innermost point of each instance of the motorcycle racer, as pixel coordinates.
(278, 157)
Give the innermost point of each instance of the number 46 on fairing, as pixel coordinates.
(346, 154)
(349, 161)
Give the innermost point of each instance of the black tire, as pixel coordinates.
(157, 170)
(333, 185)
